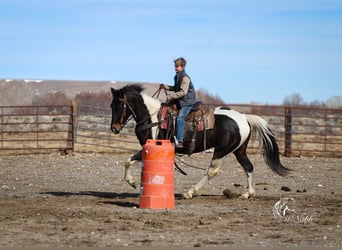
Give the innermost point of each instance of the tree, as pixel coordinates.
(207, 98)
(334, 102)
(294, 99)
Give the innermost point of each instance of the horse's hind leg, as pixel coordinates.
(242, 158)
(128, 175)
(214, 167)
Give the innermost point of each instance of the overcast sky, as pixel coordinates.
(241, 50)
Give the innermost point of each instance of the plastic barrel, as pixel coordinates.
(157, 175)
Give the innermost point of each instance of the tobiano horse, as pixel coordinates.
(230, 134)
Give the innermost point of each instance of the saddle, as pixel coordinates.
(200, 119)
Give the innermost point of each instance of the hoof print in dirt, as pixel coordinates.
(285, 189)
(229, 194)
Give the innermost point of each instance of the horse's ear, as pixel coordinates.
(113, 90)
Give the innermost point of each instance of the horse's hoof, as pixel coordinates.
(132, 184)
(247, 195)
(187, 195)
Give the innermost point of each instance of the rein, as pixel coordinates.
(189, 165)
(158, 92)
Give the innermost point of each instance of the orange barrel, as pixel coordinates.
(157, 175)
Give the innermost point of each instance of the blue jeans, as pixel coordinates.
(180, 122)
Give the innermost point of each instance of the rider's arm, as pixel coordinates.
(183, 89)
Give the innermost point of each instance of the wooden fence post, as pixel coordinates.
(288, 131)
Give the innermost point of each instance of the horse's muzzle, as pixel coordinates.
(116, 128)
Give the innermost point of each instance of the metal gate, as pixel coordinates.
(93, 132)
(36, 128)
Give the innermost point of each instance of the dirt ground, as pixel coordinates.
(82, 200)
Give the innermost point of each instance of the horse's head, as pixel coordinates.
(119, 110)
(122, 109)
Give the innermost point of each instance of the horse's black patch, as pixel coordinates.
(133, 88)
(225, 108)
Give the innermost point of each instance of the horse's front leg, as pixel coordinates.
(128, 175)
(213, 170)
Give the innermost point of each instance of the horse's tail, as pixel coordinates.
(268, 144)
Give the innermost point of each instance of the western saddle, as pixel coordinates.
(200, 119)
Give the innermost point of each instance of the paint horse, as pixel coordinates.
(230, 134)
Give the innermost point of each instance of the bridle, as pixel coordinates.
(133, 115)
(123, 114)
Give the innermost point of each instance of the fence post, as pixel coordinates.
(325, 130)
(37, 126)
(2, 127)
(288, 131)
(74, 122)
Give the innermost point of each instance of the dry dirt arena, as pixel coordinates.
(82, 200)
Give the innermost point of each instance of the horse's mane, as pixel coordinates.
(135, 89)
(132, 88)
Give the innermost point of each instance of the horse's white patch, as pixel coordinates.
(240, 120)
(153, 106)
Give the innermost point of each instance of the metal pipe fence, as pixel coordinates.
(300, 131)
(93, 130)
(36, 128)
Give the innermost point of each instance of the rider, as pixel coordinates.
(185, 94)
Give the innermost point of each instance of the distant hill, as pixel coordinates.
(22, 92)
